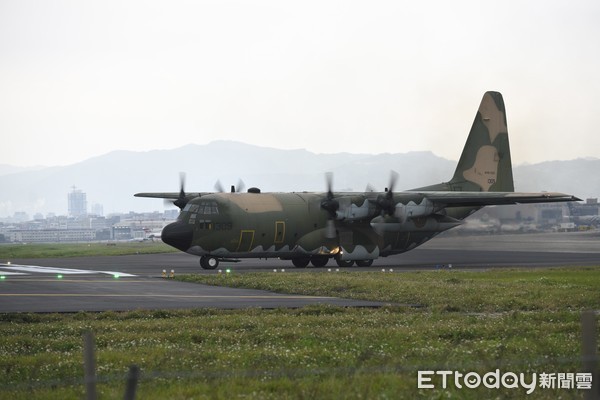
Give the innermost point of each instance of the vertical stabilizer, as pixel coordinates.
(485, 163)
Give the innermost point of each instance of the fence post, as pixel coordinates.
(89, 365)
(132, 379)
(589, 353)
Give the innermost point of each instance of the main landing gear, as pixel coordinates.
(208, 262)
(349, 263)
(321, 261)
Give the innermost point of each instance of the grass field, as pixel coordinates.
(521, 321)
(43, 250)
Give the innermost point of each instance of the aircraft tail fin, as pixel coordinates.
(485, 164)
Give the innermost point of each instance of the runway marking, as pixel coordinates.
(52, 270)
(276, 297)
(82, 280)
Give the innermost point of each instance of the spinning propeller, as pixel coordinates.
(240, 187)
(385, 202)
(331, 205)
(181, 200)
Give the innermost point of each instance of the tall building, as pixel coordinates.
(77, 203)
(97, 209)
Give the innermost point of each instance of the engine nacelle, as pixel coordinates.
(354, 209)
(413, 210)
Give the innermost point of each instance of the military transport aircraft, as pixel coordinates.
(350, 227)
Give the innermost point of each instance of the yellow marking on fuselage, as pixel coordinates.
(279, 224)
(247, 232)
(256, 202)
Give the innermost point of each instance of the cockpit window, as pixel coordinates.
(191, 207)
(208, 208)
(203, 208)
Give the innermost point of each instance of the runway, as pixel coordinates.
(135, 282)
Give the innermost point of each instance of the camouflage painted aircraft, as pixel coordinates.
(350, 227)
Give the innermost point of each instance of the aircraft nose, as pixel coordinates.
(178, 235)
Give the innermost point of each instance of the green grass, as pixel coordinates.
(554, 289)
(319, 351)
(44, 250)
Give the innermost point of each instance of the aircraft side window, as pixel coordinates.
(187, 207)
(205, 224)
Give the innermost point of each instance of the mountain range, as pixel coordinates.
(113, 178)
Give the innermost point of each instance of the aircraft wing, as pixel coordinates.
(475, 199)
(167, 195)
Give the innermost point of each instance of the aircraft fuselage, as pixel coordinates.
(291, 225)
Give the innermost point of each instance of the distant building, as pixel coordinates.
(98, 209)
(21, 216)
(51, 235)
(77, 203)
(171, 214)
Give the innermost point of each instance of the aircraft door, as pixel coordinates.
(246, 240)
(279, 231)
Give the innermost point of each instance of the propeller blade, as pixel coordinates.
(329, 184)
(181, 200)
(240, 186)
(169, 203)
(331, 205)
(219, 187)
(330, 229)
(182, 184)
(385, 203)
(393, 179)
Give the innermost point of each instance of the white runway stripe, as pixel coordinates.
(52, 270)
(11, 273)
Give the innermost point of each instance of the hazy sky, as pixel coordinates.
(82, 78)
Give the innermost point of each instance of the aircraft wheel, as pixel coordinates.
(300, 262)
(364, 263)
(319, 261)
(344, 263)
(207, 262)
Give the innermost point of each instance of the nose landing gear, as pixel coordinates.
(208, 262)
